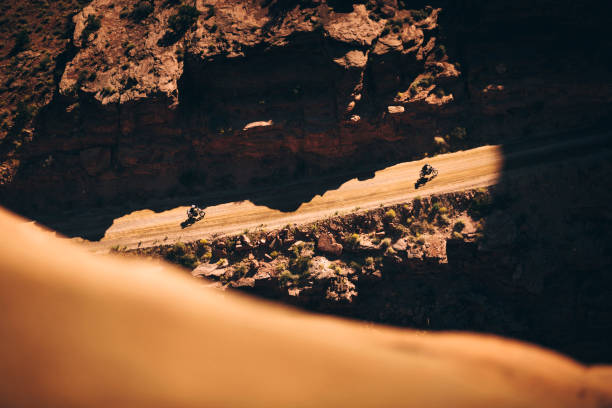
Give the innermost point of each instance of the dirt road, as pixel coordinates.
(457, 171)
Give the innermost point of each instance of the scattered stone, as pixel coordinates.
(245, 240)
(400, 245)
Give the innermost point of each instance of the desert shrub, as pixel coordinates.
(300, 264)
(443, 220)
(419, 227)
(207, 255)
(420, 240)
(385, 243)
(274, 254)
(179, 254)
(241, 269)
(141, 10)
(179, 23)
(355, 266)
(458, 133)
(285, 277)
(457, 235)
(390, 215)
(481, 205)
(352, 240)
(369, 261)
(459, 226)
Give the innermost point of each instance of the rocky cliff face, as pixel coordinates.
(163, 98)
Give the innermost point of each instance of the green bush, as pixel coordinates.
(458, 133)
(457, 235)
(141, 10)
(385, 243)
(481, 205)
(390, 215)
(369, 261)
(459, 226)
(286, 277)
(178, 254)
(300, 265)
(179, 23)
(443, 220)
(241, 269)
(352, 240)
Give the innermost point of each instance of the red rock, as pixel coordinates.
(328, 245)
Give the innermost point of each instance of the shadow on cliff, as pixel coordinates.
(548, 240)
(284, 196)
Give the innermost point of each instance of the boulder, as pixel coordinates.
(243, 283)
(328, 245)
(400, 245)
(209, 271)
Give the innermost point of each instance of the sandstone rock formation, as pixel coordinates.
(77, 329)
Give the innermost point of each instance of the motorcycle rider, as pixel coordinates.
(427, 169)
(192, 212)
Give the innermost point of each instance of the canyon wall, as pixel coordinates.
(256, 92)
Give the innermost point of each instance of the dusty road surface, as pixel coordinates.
(80, 330)
(457, 171)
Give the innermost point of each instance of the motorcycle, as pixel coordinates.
(195, 214)
(427, 173)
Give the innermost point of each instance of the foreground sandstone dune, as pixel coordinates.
(81, 330)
